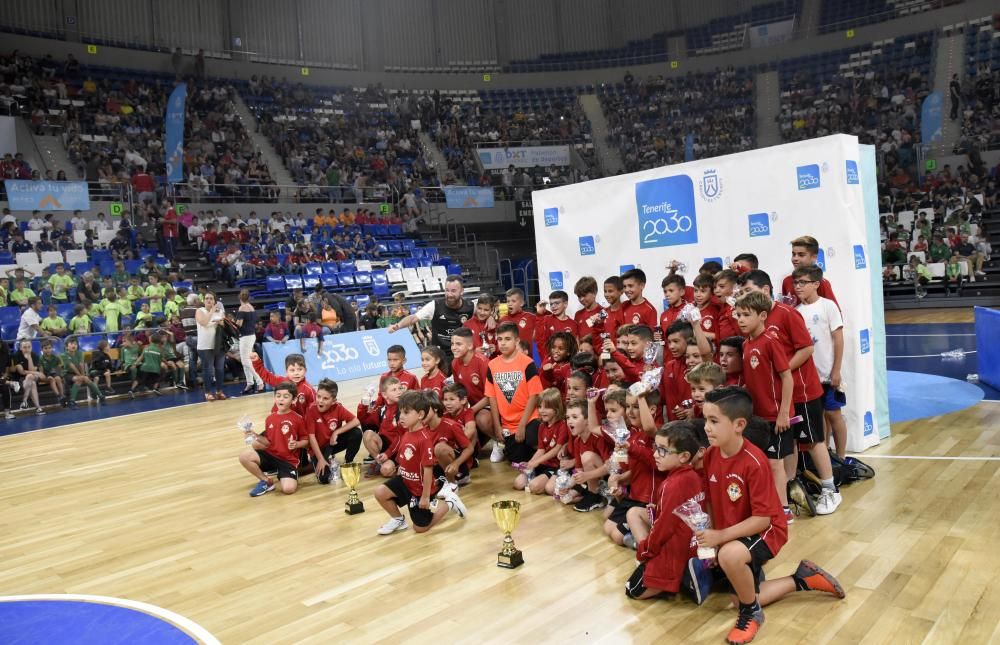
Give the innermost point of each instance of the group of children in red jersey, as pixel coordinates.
(628, 411)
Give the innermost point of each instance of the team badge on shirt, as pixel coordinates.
(734, 491)
(522, 323)
(754, 362)
(636, 318)
(286, 428)
(463, 319)
(706, 323)
(475, 379)
(333, 425)
(408, 452)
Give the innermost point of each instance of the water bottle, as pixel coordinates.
(334, 471)
(370, 394)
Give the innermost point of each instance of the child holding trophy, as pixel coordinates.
(277, 448)
(664, 553)
(749, 526)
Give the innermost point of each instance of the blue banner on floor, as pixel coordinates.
(344, 356)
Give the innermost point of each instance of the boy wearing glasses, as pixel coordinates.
(805, 252)
(826, 326)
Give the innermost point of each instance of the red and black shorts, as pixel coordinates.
(269, 464)
(405, 498)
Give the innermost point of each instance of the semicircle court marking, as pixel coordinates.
(914, 395)
(185, 626)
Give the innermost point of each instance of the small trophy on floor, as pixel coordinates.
(351, 472)
(507, 513)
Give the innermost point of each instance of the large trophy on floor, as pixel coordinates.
(351, 472)
(507, 514)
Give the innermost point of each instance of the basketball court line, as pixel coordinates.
(192, 628)
(866, 456)
(924, 335)
(966, 353)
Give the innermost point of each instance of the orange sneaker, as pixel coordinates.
(817, 579)
(747, 625)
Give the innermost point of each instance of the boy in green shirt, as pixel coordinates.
(130, 361)
(80, 323)
(171, 304)
(19, 296)
(155, 293)
(60, 284)
(4, 292)
(51, 365)
(953, 273)
(120, 277)
(151, 363)
(113, 310)
(76, 369)
(143, 319)
(173, 362)
(940, 250)
(53, 324)
(135, 291)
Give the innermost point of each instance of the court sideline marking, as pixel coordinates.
(186, 624)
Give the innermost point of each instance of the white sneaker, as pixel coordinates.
(453, 501)
(497, 455)
(394, 524)
(445, 488)
(828, 502)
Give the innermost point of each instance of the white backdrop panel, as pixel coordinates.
(756, 202)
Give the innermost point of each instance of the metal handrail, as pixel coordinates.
(108, 334)
(295, 190)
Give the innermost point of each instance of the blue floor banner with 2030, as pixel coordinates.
(344, 356)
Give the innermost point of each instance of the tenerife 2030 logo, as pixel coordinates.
(760, 224)
(556, 279)
(588, 245)
(808, 176)
(666, 212)
(852, 172)
(711, 185)
(551, 216)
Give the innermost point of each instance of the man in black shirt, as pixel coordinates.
(445, 314)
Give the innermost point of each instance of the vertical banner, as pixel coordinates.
(689, 147)
(930, 118)
(174, 147)
(754, 202)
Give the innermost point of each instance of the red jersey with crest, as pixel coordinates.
(433, 383)
(794, 335)
(710, 320)
(608, 327)
(594, 443)
(669, 316)
(674, 389)
(742, 486)
(464, 417)
(306, 394)
(547, 326)
(550, 436)
(472, 377)
(581, 317)
(726, 324)
(408, 380)
(322, 425)
(641, 465)
(279, 429)
(416, 452)
(670, 543)
(763, 359)
(525, 321)
(556, 377)
(479, 332)
(641, 314)
(451, 432)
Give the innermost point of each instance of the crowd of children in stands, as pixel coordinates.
(629, 410)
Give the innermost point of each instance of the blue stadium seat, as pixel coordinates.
(65, 311)
(346, 279)
(314, 268)
(10, 315)
(132, 266)
(89, 342)
(275, 283)
(98, 323)
(293, 282)
(363, 278)
(310, 281)
(329, 280)
(347, 265)
(9, 331)
(363, 301)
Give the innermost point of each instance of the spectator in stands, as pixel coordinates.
(144, 185)
(208, 318)
(31, 321)
(247, 317)
(27, 370)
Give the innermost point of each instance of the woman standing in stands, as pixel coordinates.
(247, 317)
(213, 361)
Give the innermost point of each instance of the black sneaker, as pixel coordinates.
(590, 502)
(131, 394)
(157, 392)
(368, 460)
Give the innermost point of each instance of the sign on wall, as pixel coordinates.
(26, 195)
(754, 202)
(523, 157)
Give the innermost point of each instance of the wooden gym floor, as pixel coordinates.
(154, 507)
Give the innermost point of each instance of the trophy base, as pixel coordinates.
(354, 508)
(511, 561)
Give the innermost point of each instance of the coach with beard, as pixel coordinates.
(446, 314)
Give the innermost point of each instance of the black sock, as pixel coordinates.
(750, 608)
(800, 584)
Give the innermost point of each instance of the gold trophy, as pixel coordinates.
(351, 472)
(506, 514)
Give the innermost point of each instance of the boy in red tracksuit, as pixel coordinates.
(664, 554)
(725, 285)
(295, 371)
(632, 360)
(484, 338)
